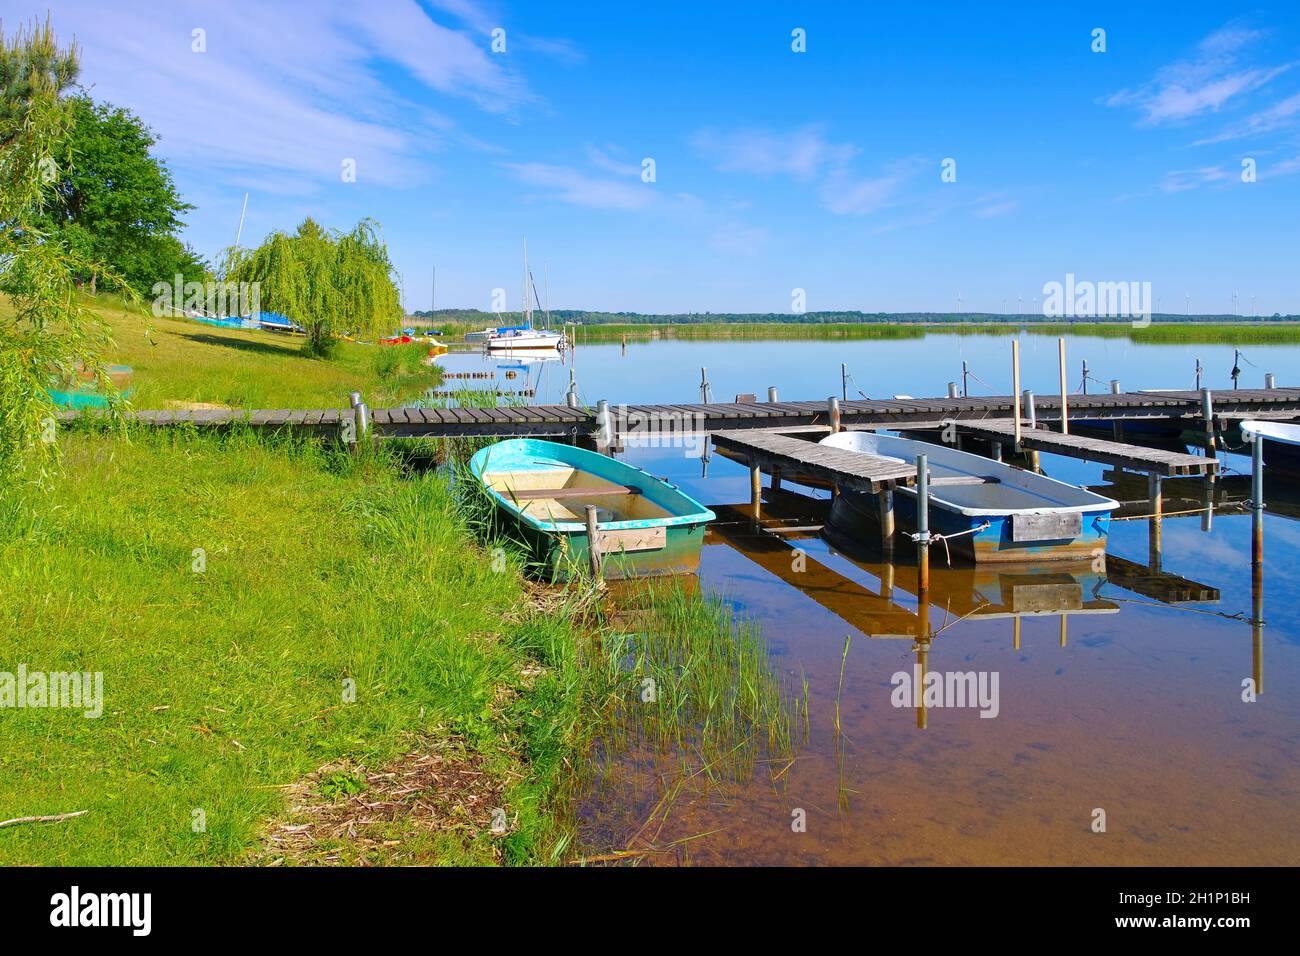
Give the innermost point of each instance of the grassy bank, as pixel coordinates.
(181, 362)
(226, 685)
(1158, 333)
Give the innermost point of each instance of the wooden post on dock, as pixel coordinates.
(1065, 390)
(886, 505)
(1207, 413)
(1155, 497)
(593, 543)
(922, 525)
(833, 413)
(771, 393)
(1257, 503)
(1015, 387)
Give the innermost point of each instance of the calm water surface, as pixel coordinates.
(1120, 690)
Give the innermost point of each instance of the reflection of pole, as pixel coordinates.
(1015, 388)
(1015, 632)
(1063, 630)
(922, 525)
(1154, 523)
(1065, 413)
(1257, 503)
(755, 490)
(886, 502)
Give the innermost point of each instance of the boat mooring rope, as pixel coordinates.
(916, 536)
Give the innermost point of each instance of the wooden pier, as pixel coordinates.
(542, 421)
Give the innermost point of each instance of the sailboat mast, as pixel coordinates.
(546, 287)
(527, 308)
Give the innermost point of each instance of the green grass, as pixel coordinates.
(182, 362)
(224, 686)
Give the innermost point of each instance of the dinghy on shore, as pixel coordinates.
(645, 526)
(985, 510)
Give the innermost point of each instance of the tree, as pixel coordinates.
(115, 202)
(328, 282)
(45, 331)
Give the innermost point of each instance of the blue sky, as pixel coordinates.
(774, 170)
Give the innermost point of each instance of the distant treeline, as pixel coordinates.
(476, 317)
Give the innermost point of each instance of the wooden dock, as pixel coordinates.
(542, 421)
(783, 454)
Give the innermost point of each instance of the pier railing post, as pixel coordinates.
(833, 412)
(1257, 503)
(922, 524)
(593, 543)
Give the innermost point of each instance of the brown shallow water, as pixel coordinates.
(1138, 713)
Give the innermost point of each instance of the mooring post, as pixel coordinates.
(886, 504)
(604, 426)
(1084, 384)
(844, 381)
(593, 543)
(1027, 398)
(965, 392)
(833, 413)
(1270, 380)
(1207, 413)
(922, 525)
(1015, 388)
(1198, 374)
(952, 389)
(1236, 366)
(1257, 502)
(771, 393)
(1065, 412)
(571, 396)
(704, 385)
(1257, 627)
(1154, 496)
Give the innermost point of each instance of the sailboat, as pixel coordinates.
(525, 336)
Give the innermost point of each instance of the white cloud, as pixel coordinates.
(802, 154)
(1181, 180)
(1280, 115)
(288, 88)
(1203, 83)
(570, 185)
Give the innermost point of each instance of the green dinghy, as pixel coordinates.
(645, 526)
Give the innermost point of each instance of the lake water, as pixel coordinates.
(1119, 691)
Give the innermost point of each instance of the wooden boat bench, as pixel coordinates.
(558, 493)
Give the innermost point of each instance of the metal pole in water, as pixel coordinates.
(965, 392)
(922, 524)
(1207, 413)
(1084, 388)
(833, 412)
(1065, 414)
(1015, 387)
(1198, 373)
(771, 393)
(1257, 503)
(593, 543)
(704, 385)
(844, 382)
(1257, 627)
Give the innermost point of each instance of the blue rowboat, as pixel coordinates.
(645, 526)
(987, 510)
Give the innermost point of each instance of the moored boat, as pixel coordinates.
(1281, 443)
(541, 490)
(985, 510)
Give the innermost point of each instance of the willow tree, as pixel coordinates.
(46, 334)
(328, 282)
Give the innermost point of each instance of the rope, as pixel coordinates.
(916, 537)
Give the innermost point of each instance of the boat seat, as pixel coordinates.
(532, 494)
(965, 480)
